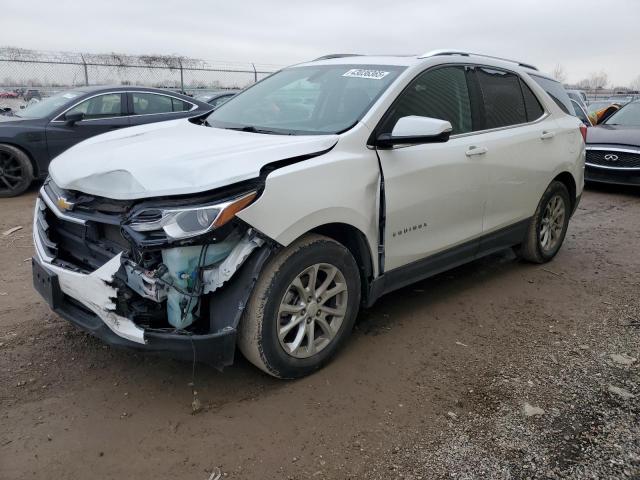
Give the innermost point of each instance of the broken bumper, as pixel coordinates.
(53, 283)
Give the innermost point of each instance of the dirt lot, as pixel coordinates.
(497, 369)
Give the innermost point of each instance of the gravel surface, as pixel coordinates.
(497, 369)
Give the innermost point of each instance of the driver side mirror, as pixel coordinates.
(415, 130)
(72, 118)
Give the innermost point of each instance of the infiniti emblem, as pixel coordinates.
(611, 157)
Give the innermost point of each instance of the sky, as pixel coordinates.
(583, 36)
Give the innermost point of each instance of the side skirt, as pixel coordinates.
(446, 260)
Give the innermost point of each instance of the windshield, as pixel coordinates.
(47, 106)
(319, 99)
(628, 116)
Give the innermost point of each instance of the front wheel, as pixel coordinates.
(548, 226)
(302, 309)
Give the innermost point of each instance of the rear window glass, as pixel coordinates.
(503, 100)
(556, 91)
(531, 103)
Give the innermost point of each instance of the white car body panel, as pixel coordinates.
(458, 197)
(338, 187)
(173, 158)
(437, 196)
(519, 165)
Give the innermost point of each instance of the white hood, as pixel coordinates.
(173, 158)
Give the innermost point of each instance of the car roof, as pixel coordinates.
(429, 58)
(119, 88)
(86, 90)
(216, 93)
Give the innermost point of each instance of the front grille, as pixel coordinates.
(82, 247)
(42, 230)
(613, 159)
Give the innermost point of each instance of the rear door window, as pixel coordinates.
(556, 91)
(502, 97)
(151, 103)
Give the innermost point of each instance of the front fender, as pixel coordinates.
(341, 186)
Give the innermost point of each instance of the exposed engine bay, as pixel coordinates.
(151, 266)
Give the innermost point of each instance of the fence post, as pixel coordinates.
(255, 74)
(181, 77)
(86, 71)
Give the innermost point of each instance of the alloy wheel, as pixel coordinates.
(552, 224)
(312, 310)
(11, 172)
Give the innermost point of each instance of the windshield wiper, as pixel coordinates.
(253, 129)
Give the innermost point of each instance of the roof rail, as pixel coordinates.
(437, 53)
(336, 55)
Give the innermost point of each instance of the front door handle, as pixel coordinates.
(473, 150)
(546, 134)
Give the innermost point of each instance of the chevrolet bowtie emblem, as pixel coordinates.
(64, 204)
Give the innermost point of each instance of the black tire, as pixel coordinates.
(532, 249)
(16, 171)
(258, 338)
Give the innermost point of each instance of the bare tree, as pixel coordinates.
(584, 84)
(559, 73)
(635, 83)
(598, 80)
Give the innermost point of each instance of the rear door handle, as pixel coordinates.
(547, 134)
(471, 151)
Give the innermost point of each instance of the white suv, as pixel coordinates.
(268, 223)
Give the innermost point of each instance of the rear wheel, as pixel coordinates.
(548, 226)
(302, 309)
(16, 172)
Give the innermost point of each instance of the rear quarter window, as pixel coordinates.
(531, 103)
(556, 91)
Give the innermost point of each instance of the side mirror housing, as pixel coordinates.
(415, 130)
(73, 118)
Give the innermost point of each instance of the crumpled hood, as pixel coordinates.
(174, 158)
(613, 134)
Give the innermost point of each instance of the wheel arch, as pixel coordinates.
(567, 179)
(355, 241)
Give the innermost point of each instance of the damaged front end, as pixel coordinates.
(168, 275)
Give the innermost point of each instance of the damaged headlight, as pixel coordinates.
(179, 223)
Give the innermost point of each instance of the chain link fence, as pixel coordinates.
(22, 69)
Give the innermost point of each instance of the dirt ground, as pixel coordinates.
(497, 369)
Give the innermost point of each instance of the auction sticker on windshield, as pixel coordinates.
(371, 74)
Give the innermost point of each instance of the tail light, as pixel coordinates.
(583, 132)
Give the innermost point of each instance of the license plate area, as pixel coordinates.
(46, 284)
